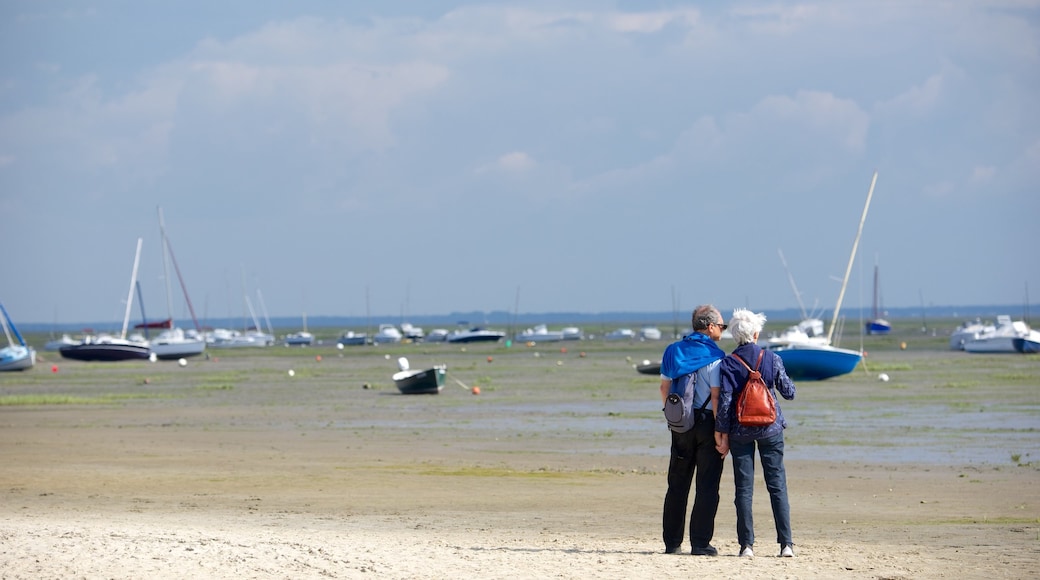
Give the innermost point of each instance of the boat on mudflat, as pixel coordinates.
(1006, 336)
(420, 381)
(649, 368)
(105, 347)
(815, 358)
(475, 334)
(539, 333)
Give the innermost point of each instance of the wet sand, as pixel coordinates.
(229, 467)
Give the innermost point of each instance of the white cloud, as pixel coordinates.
(516, 161)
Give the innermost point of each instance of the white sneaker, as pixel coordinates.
(745, 552)
(787, 551)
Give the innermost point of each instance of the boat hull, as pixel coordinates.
(174, 350)
(878, 327)
(476, 336)
(421, 382)
(17, 358)
(1026, 345)
(105, 352)
(816, 362)
(649, 368)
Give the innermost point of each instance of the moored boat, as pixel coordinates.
(421, 381)
(475, 334)
(540, 333)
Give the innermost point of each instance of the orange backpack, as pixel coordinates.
(755, 405)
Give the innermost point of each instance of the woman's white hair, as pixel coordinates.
(745, 325)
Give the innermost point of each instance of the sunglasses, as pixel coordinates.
(721, 326)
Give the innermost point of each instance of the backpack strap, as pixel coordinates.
(758, 364)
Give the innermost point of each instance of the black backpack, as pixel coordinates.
(678, 406)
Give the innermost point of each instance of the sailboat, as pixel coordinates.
(876, 324)
(173, 343)
(17, 356)
(816, 359)
(106, 347)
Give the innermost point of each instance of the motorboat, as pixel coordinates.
(411, 333)
(106, 347)
(815, 358)
(420, 381)
(649, 333)
(387, 334)
(351, 338)
(969, 330)
(475, 334)
(436, 335)
(620, 334)
(648, 367)
(540, 333)
(1002, 338)
(17, 355)
(301, 338)
(572, 333)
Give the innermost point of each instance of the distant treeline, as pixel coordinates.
(502, 319)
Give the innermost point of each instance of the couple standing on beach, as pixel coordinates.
(716, 381)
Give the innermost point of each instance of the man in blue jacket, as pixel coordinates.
(693, 452)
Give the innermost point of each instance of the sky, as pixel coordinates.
(431, 157)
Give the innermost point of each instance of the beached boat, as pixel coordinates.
(475, 334)
(411, 333)
(968, 330)
(1003, 337)
(540, 333)
(301, 338)
(17, 355)
(437, 335)
(813, 359)
(620, 334)
(419, 382)
(649, 368)
(106, 347)
(387, 334)
(572, 333)
(351, 338)
(649, 333)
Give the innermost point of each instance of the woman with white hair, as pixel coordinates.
(740, 439)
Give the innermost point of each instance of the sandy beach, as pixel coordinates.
(230, 468)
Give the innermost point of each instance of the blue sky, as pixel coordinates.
(434, 157)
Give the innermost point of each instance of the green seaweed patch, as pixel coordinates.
(215, 387)
(58, 399)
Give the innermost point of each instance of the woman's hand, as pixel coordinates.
(722, 443)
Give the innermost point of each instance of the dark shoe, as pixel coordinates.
(675, 550)
(708, 550)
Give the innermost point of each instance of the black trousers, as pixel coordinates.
(693, 453)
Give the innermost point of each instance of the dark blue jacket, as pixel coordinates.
(733, 375)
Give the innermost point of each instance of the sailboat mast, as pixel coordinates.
(852, 259)
(130, 295)
(790, 278)
(166, 265)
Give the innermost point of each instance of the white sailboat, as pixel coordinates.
(173, 343)
(106, 347)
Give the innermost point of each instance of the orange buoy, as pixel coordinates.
(475, 390)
